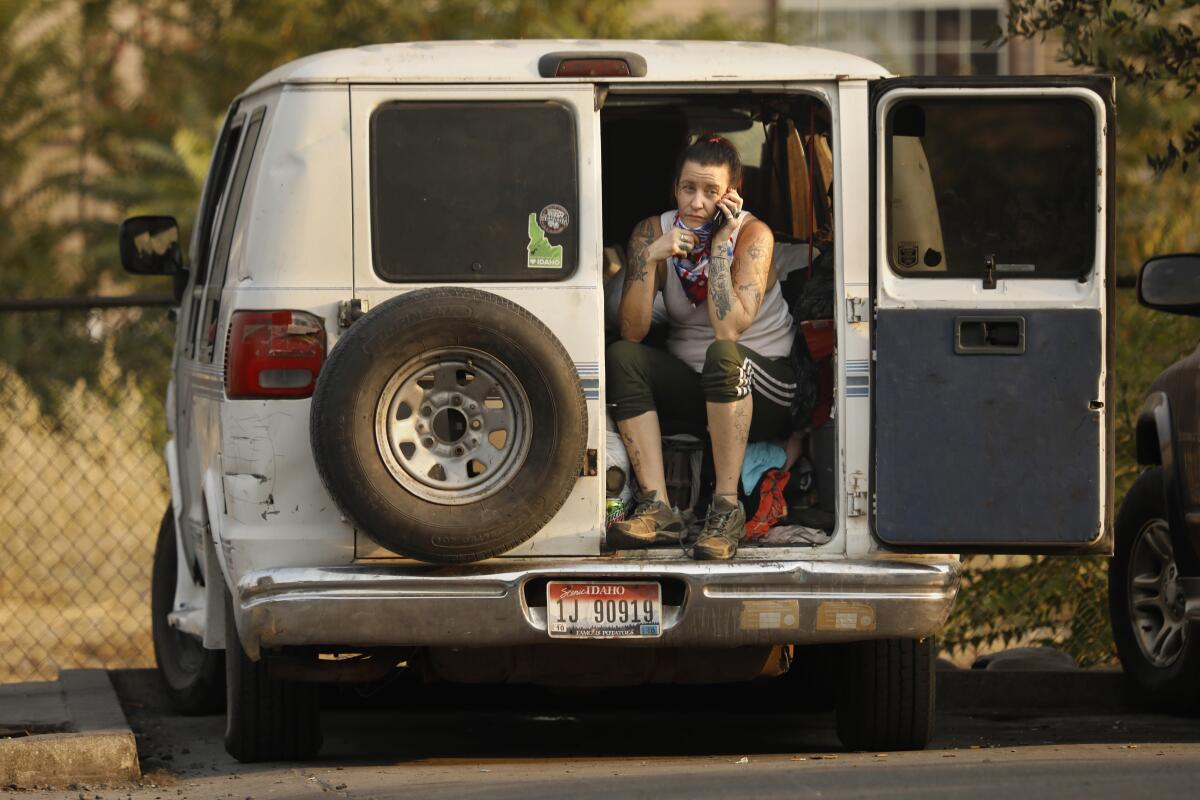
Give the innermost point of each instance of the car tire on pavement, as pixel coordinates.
(194, 677)
(266, 719)
(449, 424)
(885, 694)
(1159, 649)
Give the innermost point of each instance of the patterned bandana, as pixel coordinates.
(692, 269)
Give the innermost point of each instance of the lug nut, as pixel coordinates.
(458, 451)
(426, 411)
(456, 400)
(476, 424)
(427, 442)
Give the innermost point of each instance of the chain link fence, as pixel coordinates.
(82, 484)
(83, 488)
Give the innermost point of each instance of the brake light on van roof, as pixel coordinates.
(273, 354)
(584, 64)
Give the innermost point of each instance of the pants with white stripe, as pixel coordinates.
(641, 378)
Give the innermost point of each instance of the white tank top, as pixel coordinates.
(770, 334)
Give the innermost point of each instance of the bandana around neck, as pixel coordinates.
(692, 269)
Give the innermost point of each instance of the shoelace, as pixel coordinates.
(715, 519)
(644, 505)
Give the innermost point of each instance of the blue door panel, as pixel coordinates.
(987, 448)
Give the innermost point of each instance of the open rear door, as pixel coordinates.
(993, 280)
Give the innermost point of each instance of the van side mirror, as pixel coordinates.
(150, 246)
(1171, 283)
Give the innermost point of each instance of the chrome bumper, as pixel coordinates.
(497, 603)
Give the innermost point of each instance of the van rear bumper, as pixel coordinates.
(502, 602)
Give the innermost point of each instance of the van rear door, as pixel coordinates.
(993, 326)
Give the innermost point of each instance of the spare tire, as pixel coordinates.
(449, 424)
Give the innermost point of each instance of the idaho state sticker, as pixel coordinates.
(539, 253)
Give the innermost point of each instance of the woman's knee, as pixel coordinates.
(625, 358)
(628, 379)
(724, 377)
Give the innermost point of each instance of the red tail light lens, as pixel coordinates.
(273, 354)
(593, 68)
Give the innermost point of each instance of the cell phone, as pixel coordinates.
(718, 219)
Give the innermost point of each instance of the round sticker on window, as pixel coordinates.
(554, 218)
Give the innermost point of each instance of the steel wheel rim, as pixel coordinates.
(1156, 600)
(453, 425)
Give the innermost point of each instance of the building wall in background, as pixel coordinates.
(909, 37)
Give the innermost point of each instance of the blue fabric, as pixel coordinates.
(760, 457)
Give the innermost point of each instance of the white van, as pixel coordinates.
(388, 408)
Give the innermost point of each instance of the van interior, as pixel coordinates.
(784, 144)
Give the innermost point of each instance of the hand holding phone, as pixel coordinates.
(728, 208)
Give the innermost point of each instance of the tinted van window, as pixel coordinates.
(1013, 178)
(474, 191)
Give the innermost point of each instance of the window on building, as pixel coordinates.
(907, 37)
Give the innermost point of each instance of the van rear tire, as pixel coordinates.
(266, 719)
(885, 694)
(193, 676)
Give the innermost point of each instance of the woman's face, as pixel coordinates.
(697, 191)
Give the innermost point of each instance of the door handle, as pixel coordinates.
(989, 336)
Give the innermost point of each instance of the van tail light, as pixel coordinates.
(584, 64)
(273, 354)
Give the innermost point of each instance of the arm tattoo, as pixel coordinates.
(720, 285)
(758, 253)
(752, 289)
(639, 244)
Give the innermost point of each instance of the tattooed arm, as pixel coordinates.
(736, 285)
(641, 282)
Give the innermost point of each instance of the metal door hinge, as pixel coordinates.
(351, 311)
(856, 495)
(856, 309)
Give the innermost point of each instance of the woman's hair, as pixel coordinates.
(708, 150)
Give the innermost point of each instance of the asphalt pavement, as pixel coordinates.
(508, 742)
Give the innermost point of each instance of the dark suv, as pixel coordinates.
(1154, 576)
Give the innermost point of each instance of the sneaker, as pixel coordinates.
(651, 522)
(724, 527)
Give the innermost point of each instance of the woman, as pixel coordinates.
(726, 363)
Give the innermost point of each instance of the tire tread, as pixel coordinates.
(885, 694)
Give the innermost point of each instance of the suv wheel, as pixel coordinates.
(266, 719)
(1158, 647)
(194, 676)
(885, 694)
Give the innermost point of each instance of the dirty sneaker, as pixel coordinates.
(724, 527)
(652, 522)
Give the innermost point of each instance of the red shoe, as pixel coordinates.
(771, 505)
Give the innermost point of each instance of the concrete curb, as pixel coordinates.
(99, 747)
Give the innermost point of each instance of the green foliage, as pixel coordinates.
(1059, 602)
(1149, 45)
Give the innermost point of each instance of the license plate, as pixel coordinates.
(603, 610)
